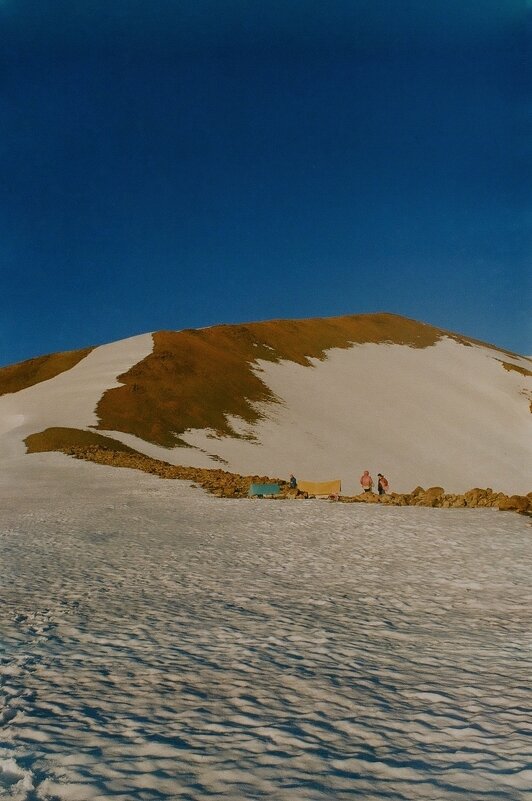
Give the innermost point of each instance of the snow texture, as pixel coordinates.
(157, 642)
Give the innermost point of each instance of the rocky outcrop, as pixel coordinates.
(430, 497)
(515, 503)
(436, 497)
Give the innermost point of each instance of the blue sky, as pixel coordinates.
(180, 164)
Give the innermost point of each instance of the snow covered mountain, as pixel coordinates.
(323, 398)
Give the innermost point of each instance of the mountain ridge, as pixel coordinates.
(241, 395)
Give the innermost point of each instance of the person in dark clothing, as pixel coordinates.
(382, 484)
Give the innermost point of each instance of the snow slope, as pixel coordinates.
(161, 643)
(69, 399)
(447, 415)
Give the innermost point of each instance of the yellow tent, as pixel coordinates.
(320, 487)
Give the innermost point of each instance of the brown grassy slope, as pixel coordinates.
(33, 371)
(193, 378)
(61, 439)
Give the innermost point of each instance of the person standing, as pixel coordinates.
(293, 481)
(382, 484)
(366, 481)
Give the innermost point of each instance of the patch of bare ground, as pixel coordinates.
(96, 448)
(517, 368)
(25, 374)
(196, 378)
(60, 439)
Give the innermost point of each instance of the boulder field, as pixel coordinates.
(224, 484)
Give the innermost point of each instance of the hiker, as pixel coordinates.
(293, 481)
(366, 481)
(382, 484)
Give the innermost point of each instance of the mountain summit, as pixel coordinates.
(323, 398)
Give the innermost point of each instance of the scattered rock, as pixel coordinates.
(224, 484)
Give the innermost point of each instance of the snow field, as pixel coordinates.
(69, 399)
(448, 415)
(161, 643)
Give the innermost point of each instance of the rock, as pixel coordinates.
(367, 497)
(458, 502)
(431, 497)
(371, 497)
(515, 503)
(417, 491)
(494, 498)
(474, 496)
(434, 492)
(398, 499)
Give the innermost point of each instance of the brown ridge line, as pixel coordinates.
(26, 374)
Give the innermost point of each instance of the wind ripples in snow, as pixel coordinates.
(159, 643)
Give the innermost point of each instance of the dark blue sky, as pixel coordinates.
(172, 164)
